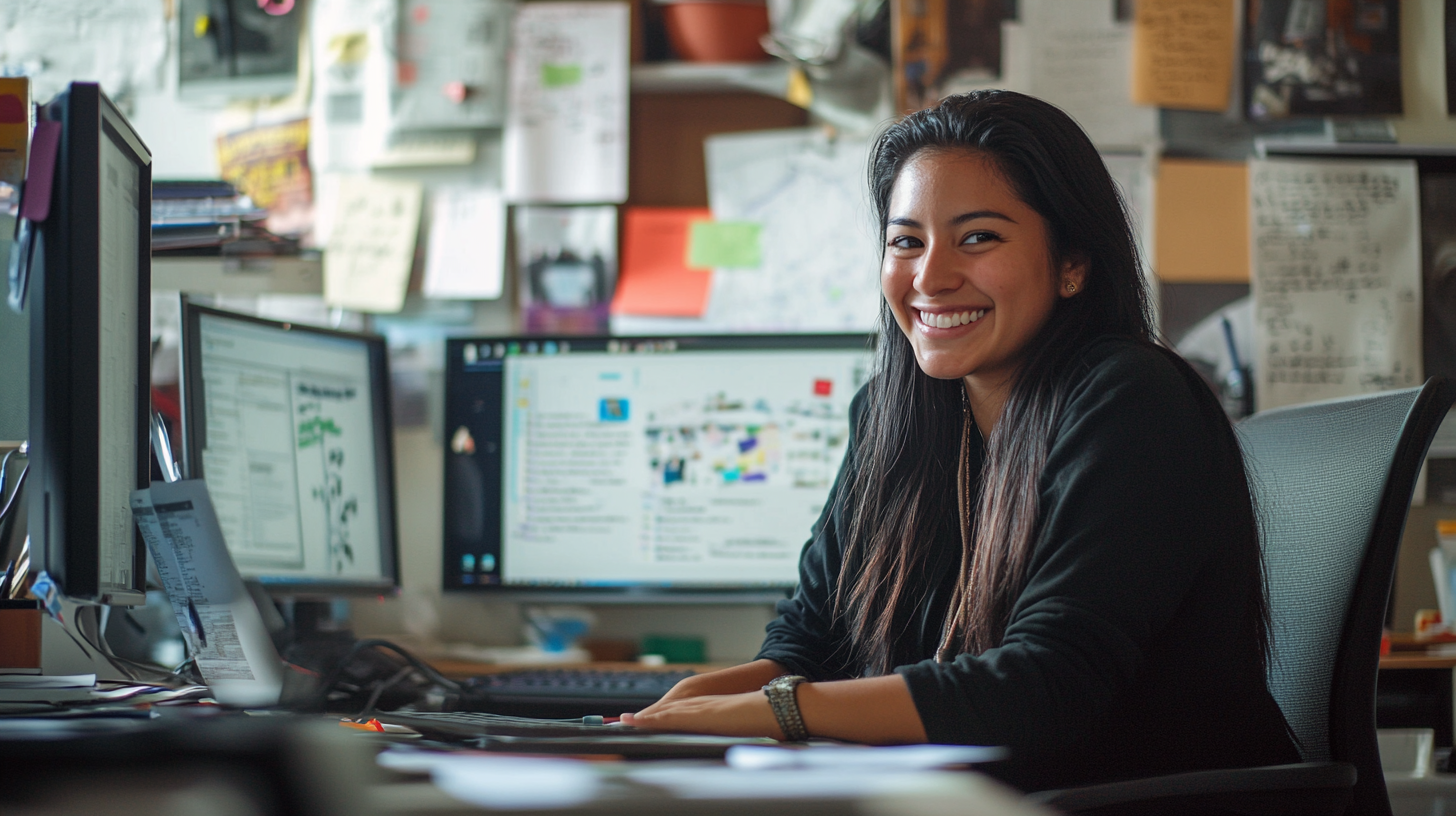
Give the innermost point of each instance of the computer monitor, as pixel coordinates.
(90, 365)
(651, 469)
(290, 427)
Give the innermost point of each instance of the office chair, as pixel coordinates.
(1332, 483)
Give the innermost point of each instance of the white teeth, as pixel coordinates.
(948, 321)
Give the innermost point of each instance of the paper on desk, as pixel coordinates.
(466, 258)
(707, 782)
(566, 123)
(1073, 54)
(46, 681)
(1183, 53)
(1336, 278)
(499, 781)
(897, 757)
(372, 244)
(818, 267)
(655, 278)
(222, 627)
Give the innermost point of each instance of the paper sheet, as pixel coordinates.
(372, 245)
(223, 629)
(656, 279)
(1073, 54)
(452, 64)
(806, 191)
(1202, 221)
(566, 125)
(467, 248)
(1183, 53)
(1336, 278)
(566, 267)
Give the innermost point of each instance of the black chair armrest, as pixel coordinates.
(1307, 788)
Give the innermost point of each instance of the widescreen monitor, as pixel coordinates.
(290, 427)
(687, 468)
(90, 366)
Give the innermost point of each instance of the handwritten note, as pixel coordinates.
(1336, 278)
(1183, 53)
(467, 244)
(566, 124)
(1073, 54)
(372, 245)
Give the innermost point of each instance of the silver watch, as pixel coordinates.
(783, 697)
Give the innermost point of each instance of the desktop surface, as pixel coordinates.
(641, 468)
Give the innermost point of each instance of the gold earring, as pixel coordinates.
(1071, 287)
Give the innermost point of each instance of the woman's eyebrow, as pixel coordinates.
(972, 216)
(903, 222)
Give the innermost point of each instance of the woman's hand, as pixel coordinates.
(735, 680)
(747, 714)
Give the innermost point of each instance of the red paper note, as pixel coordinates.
(656, 279)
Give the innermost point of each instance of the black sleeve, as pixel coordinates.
(1123, 486)
(804, 638)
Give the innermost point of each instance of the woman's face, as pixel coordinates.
(967, 270)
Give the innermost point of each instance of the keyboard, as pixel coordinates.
(556, 693)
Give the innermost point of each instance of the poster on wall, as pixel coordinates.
(1322, 58)
(939, 46)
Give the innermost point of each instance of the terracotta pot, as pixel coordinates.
(716, 30)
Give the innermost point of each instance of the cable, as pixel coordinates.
(383, 687)
(321, 699)
(19, 483)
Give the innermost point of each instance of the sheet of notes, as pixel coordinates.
(1336, 278)
(1183, 53)
(371, 249)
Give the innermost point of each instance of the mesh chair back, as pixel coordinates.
(1317, 473)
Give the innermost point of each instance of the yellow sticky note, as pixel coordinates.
(1183, 53)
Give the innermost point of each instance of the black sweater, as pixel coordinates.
(1129, 653)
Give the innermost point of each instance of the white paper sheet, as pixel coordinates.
(466, 257)
(807, 192)
(1336, 278)
(1075, 55)
(372, 246)
(223, 629)
(566, 125)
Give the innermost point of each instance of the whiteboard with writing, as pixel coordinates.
(1336, 278)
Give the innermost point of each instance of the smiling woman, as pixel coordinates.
(1042, 536)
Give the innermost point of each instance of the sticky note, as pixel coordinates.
(1183, 53)
(655, 280)
(1202, 221)
(732, 244)
(560, 76)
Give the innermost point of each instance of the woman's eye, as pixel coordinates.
(980, 238)
(905, 242)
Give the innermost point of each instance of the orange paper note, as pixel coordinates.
(656, 280)
(1202, 221)
(1183, 53)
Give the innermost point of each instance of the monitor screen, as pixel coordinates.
(641, 467)
(289, 425)
(89, 308)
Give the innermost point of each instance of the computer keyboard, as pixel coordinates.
(566, 692)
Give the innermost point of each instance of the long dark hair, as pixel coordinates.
(903, 493)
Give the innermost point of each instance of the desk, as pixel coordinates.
(1416, 690)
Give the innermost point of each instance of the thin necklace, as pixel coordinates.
(954, 614)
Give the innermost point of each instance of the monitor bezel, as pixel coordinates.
(194, 429)
(643, 593)
(65, 313)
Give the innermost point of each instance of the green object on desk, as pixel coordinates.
(732, 244)
(676, 648)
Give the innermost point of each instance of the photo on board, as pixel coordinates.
(1322, 58)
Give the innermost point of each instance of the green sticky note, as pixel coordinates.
(559, 76)
(724, 243)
